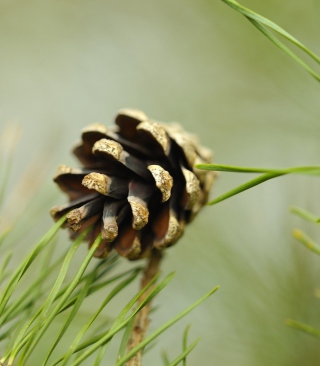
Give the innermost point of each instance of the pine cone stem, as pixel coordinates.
(141, 321)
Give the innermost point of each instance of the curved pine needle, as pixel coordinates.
(269, 174)
(243, 187)
(284, 48)
(262, 24)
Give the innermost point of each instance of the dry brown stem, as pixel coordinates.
(141, 321)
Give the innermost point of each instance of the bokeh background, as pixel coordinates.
(67, 63)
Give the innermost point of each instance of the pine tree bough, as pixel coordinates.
(141, 320)
(138, 185)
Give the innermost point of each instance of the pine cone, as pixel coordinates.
(138, 186)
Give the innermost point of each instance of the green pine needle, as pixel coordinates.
(26, 264)
(243, 187)
(303, 327)
(120, 323)
(184, 354)
(164, 327)
(306, 241)
(306, 215)
(125, 339)
(185, 344)
(45, 322)
(309, 170)
(78, 302)
(84, 329)
(268, 174)
(165, 359)
(262, 24)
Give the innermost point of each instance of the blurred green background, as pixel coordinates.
(65, 64)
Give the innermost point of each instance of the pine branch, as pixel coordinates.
(141, 321)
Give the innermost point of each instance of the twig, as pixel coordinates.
(141, 321)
